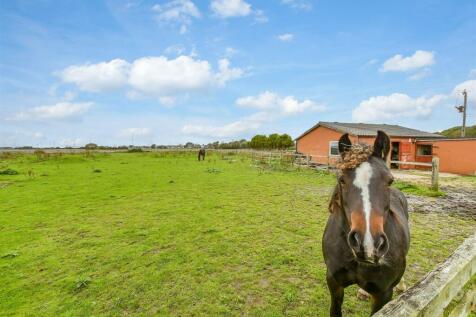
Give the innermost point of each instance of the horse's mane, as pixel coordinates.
(356, 155)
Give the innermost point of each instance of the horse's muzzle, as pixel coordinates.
(376, 252)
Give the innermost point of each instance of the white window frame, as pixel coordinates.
(419, 147)
(335, 143)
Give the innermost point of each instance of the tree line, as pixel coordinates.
(273, 141)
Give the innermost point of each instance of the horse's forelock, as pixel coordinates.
(356, 155)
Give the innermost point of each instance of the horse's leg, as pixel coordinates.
(380, 299)
(337, 297)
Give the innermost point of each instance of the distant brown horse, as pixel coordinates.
(366, 239)
(201, 154)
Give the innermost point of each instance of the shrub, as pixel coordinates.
(41, 155)
(7, 155)
(91, 146)
(8, 171)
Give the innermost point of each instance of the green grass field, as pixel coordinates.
(142, 234)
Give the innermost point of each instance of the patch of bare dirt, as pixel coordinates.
(458, 200)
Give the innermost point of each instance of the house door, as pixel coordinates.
(395, 154)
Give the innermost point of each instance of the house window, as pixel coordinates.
(424, 149)
(333, 148)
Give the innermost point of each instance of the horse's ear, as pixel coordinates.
(344, 144)
(381, 145)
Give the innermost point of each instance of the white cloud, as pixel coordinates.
(230, 51)
(177, 49)
(260, 16)
(230, 8)
(470, 87)
(69, 95)
(225, 73)
(162, 76)
(272, 102)
(286, 37)
(382, 108)
(421, 74)
(264, 101)
(298, 4)
(133, 132)
(372, 61)
(155, 76)
(167, 100)
(37, 135)
(398, 63)
(271, 107)
(180, 12)
(235, 128)
(58, 111)
(159, 76)
(97, 77)
(73, 142)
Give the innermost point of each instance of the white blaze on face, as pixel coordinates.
(363, 173)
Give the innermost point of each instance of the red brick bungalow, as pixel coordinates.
(410, 145)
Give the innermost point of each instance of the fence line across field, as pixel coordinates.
(307, 160)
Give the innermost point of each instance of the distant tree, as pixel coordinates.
(273, 141)
(153, 146)
(91, 146)
(259, 141)
(455, 132)
(285, 141)
(189, 145)
(244, 144)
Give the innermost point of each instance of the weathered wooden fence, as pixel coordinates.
(435, 169)
(432, 296)
(287, 157)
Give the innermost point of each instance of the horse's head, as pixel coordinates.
(365, 196)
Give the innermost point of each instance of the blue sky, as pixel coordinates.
(168, 72)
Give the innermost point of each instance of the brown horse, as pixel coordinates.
(201, 154)
(367, 237)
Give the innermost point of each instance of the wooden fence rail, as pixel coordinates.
(435, 169)
(432, 295)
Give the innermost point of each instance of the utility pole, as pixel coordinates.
(462, 109)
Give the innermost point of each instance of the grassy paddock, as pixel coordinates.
(162, 234)
(418, 189)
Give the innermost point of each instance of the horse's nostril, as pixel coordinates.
(354, 240)
(382, 245)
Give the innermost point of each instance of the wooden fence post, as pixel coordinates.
(435, 169)
(307, 159)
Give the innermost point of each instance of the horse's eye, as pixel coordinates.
(341, 180)
(390, 182)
